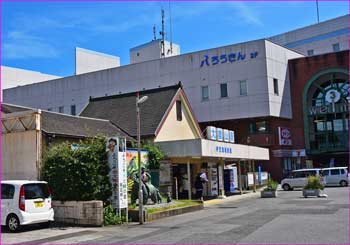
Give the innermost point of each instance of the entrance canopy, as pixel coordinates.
(202, 148)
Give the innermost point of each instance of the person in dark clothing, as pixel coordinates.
(201, 178)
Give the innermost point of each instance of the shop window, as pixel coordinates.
(205, 93)
(275, 86)
(310, 52)
(223, 90)
(243, 88)
(336, 47)
(61, 109)
(258, 127)
(178, 110)
(73, 110)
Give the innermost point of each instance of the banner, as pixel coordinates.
(116, 153)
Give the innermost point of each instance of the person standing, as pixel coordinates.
(201, 178)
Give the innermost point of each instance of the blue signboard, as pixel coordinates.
(219, 134)
(223, 149)
(232, 136)
(224, 58)
(226, 135)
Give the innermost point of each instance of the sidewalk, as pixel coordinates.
(236, 197)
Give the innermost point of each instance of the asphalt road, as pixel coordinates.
(289, 219)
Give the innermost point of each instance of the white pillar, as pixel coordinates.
(189, 180)
(221, 179)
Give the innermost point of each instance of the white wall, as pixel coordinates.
(152, 51)
(318, 37)
(277, 67)
(88, 61)
(169, 71)
(13, 77)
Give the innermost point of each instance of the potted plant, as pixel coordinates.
(270, 190)
(313, 187)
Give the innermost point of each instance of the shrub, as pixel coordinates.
(78, 174)
(271, 185)
(314, 183)
(110, 217)
(155, 155)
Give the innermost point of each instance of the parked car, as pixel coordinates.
(336, 176)
(298, 178)
(25, 202)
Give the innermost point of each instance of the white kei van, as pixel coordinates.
(336, 176)
(25, 202)
(298, 178)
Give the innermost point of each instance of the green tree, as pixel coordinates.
(155, 155)
(78, 174)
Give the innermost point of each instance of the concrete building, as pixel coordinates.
(153, 50)
(12, 77)
(89, 61)
(28, 133)
(244, 87)
(230, 82)
(324, 37)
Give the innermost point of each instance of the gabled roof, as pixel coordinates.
(67, 125)
(121, 109)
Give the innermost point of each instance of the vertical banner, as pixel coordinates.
(284, 136)
(116, 153)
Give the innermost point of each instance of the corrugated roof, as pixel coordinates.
(76, 126)
(121, 109)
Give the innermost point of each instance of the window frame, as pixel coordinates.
(203, 88)
(73, 110)
(178, 110)
(241, 82)
(275, 86)
(225, 87)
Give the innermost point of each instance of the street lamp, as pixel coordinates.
(138, 102)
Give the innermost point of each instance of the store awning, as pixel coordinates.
(202, 148)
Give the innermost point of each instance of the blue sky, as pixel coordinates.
(42, 36)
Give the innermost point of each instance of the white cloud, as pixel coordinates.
(18, 45)
(247, 13)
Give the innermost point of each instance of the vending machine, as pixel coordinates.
(230, 179)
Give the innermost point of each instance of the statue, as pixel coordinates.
(148, 190)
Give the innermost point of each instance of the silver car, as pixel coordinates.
(298, 178)
(336, 176)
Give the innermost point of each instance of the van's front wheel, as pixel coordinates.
(13, 223)
(343, 183)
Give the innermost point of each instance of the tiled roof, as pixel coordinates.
(121, 109)
(75, 126)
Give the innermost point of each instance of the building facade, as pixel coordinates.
(324, 37)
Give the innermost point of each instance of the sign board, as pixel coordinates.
(232, 136)
(211, 133)
(219, 134)
(284, 136)
(331, 163)
(226, 135)
(116, 153)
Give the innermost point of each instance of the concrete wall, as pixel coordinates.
(152, 51)
(13, 77)
(277, 68)
(89, 213)
(318, 37)
(89, 61)
(19, 156)
(169, 71)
